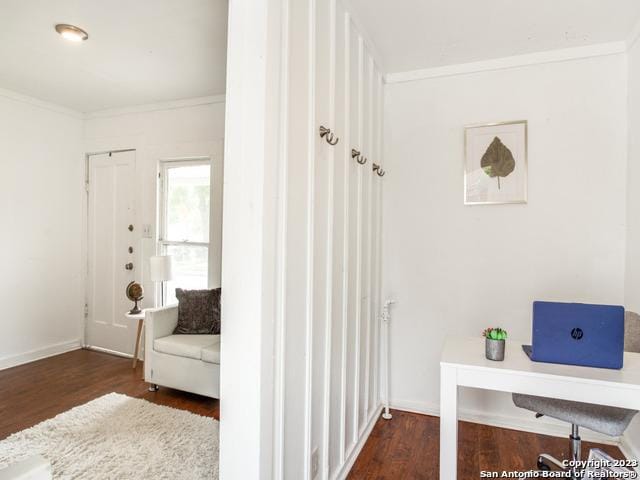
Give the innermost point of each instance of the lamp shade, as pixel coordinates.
(160, 268)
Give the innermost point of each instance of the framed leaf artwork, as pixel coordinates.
(495, 165)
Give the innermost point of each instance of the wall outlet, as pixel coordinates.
(315, 463)
(146, 231)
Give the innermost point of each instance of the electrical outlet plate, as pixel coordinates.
(146, 231)
(315, 463)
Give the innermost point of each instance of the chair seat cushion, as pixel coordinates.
(211, 353)
(599, 418)
(189, 346)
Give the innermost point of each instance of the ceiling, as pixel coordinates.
(149, 51)
(138, 51)
(417, 34)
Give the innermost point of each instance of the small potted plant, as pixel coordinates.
(494, 343)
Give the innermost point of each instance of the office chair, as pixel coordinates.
(611, 421)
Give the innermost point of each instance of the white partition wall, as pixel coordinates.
(308, 300)
(329, 329)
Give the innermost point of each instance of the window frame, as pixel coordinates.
(162, 243)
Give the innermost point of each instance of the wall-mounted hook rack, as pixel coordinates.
(328, 135)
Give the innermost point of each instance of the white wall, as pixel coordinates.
(43, 205)
(632, 282)
(41, 212)
(190, 128)
(456, 269)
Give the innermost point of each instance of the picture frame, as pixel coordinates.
(496, 163)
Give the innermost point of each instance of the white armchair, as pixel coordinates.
(184, 362)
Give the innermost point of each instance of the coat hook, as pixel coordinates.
(378, 169)
(358, 156)
(330, 138)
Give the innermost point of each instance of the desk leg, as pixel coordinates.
(137, 347)
(448, 423)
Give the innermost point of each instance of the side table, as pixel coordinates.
(140, 318)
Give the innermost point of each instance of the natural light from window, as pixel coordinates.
(186, 198)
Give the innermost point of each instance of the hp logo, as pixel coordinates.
(577, 333)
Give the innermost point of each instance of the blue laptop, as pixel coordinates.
(577, 334)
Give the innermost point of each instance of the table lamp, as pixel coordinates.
(160, 271)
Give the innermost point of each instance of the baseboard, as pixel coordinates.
(39, 354)
(412, 406)
(351, 459)
(505, 421)
(629, 449)
(110, 352)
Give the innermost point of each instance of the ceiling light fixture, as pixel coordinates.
(71, 32)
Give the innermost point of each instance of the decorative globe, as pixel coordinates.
(134, 293)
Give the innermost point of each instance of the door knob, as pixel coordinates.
(130, 228)
(129, 266)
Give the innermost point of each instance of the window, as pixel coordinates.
(185, 187)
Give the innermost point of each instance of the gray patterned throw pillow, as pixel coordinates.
(198, 311)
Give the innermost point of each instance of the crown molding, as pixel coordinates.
(551, 56)
(153, 107)
(34, 102)
(171, 105)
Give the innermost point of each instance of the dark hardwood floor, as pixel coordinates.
(406, 447)
(40, 390)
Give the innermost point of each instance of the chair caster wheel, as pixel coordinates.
(543, 466)
(154, 388)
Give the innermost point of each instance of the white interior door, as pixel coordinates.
(111, 248)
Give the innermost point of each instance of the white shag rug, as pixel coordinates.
(119, 437)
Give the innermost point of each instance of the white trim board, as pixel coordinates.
(551, 56)
(39, 354)
(109, 351)
(357, 448)
(152, 107)
(112, 112)
(34, 102)
(628, 448)
(364, 33)
(504, 421)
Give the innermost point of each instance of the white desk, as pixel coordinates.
(463, 364)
